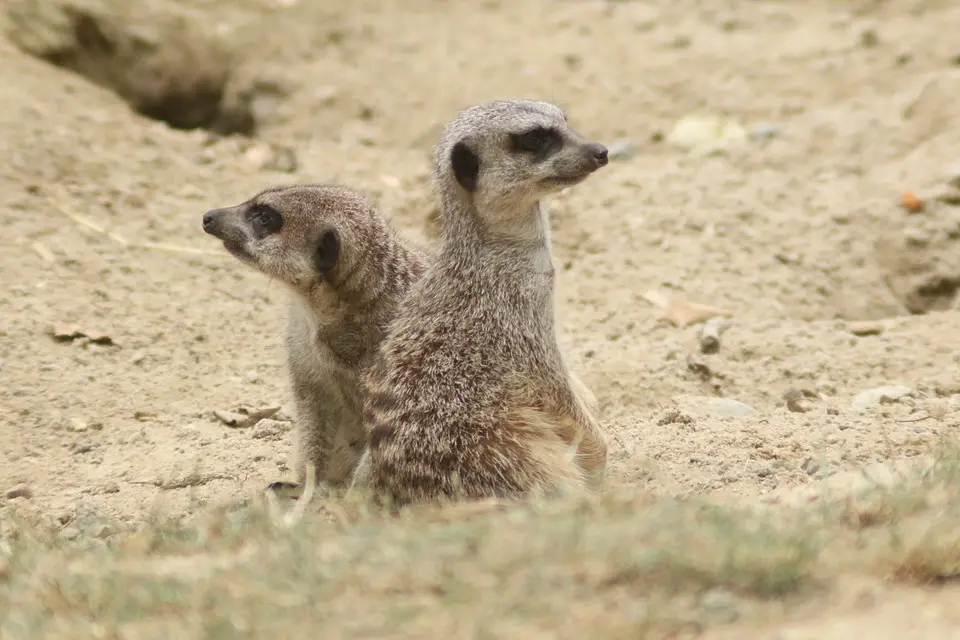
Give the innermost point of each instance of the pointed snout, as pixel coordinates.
(598, 153)
(227, 225)
(211, 221)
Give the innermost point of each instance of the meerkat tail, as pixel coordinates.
(553, 466)
(591, 449)
(582, 392)
(361, 480)
(586, 440)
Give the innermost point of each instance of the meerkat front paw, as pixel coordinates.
(285, 489)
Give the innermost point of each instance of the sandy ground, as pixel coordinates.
(797, 229)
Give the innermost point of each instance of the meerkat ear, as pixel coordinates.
(327, 251)
(466, 166)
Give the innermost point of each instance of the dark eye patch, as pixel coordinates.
(265, 220)
(539, 141)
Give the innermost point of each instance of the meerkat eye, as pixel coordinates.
(266, 219)
(538, 140)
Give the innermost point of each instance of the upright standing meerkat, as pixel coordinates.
(470, 396)
(347, 270)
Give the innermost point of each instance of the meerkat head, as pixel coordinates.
(506, 155)
(304, 236)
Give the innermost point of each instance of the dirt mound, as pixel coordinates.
(163, 63)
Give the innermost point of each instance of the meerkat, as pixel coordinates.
(347, 270)
(470, 396)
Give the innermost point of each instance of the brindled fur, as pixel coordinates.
(347, 270)
(470, 396)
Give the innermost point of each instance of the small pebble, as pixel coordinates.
(865, 328)
(879, 395)
(725, 407)
(797, 406)
(710, 334)
(104, 531)
(795, 401)
(82, 446)
(19, 491)
(111, 487)
(917, 237)
(765, 472)
(810, 466)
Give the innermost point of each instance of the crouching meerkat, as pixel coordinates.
(347, 269)
(470, 396)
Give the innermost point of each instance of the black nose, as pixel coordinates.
(208, 219)
(600, 153)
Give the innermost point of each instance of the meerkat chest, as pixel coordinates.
(323, 352)
(541, 263)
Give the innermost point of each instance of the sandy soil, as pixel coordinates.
(797, 230)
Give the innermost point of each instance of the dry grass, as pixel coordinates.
(624, 566)
(911, 531)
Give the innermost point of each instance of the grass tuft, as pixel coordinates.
(624, 566)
